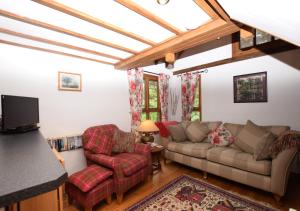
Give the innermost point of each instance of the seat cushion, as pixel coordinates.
(89, 177)
(197, 150)
(238, 159)
(131, 162)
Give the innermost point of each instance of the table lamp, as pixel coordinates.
(147, 128)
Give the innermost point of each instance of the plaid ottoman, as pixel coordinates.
(89, 186)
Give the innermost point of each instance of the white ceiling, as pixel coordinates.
(182, 14)
(277, 17)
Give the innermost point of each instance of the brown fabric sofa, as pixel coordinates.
(232, 163)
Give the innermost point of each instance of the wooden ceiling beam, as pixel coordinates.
(52, 42)
(205, 33)
(220, 11)
(83, 16)
(53, 51)
(140, 10)
(63, 30)
(267, 49)
(207, 9)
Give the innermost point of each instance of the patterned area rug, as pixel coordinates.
(188, 194)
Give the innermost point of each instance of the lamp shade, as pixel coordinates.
(147, 126)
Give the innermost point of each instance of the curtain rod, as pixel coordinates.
(197, 72)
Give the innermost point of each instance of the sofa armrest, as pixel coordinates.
(107, 161)
(281, 166)
(165, 141)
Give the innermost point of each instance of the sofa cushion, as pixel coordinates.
(253, 137)
(123, 142)
(239, 159)
(234, 129)
(197, 131)
(276, 129)
(177, 133)
(221, 136)
(213, 125)
(89, 177)
(131, 162)
(197, 150)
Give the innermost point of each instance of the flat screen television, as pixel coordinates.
(19, 114)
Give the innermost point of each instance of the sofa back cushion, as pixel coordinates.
(177, 133)
(93, 137)
(253, 139)
(213, 125)
(276, 129)
(197, 131)
(234, 129)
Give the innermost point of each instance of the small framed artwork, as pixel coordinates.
(69, 81)
(250, 88)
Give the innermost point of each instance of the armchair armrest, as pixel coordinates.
(281, 166)
(144, 149)
(107, 161)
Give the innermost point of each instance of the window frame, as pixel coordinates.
(147, 78)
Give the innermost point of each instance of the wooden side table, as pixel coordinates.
(156, 153)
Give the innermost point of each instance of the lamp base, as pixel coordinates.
(147, 138)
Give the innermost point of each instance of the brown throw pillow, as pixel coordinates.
(253, 139)
(262, 150)
(197, 131)
(177, 133)
(123, 142)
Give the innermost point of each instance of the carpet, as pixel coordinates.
(189, 194)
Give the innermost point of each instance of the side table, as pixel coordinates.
(156, 153)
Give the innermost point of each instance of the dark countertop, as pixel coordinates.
(28, 167)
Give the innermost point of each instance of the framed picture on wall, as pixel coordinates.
(250, 88)
(69, 81)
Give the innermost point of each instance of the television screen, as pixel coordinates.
(19, 111)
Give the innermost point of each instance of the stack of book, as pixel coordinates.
(65, 143)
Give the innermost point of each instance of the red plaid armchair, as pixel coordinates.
(129, 168)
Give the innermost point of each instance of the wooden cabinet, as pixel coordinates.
(50, 201)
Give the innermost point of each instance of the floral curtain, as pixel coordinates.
(135, 79)
(163, 83)
(188, 87)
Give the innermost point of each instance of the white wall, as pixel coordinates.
(283, 91)
(103, 100)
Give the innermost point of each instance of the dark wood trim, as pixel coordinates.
(147, 110)
(276, 46)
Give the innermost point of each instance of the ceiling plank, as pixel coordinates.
(63, 30)
(205, 33)
(206, 8)
(217, 7)
(53, 51)
(140, 10)
(83, 16)
(52, 42)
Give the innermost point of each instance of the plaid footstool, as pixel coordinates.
(89, 186)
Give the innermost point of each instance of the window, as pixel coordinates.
(196, 114)
(151, 104)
